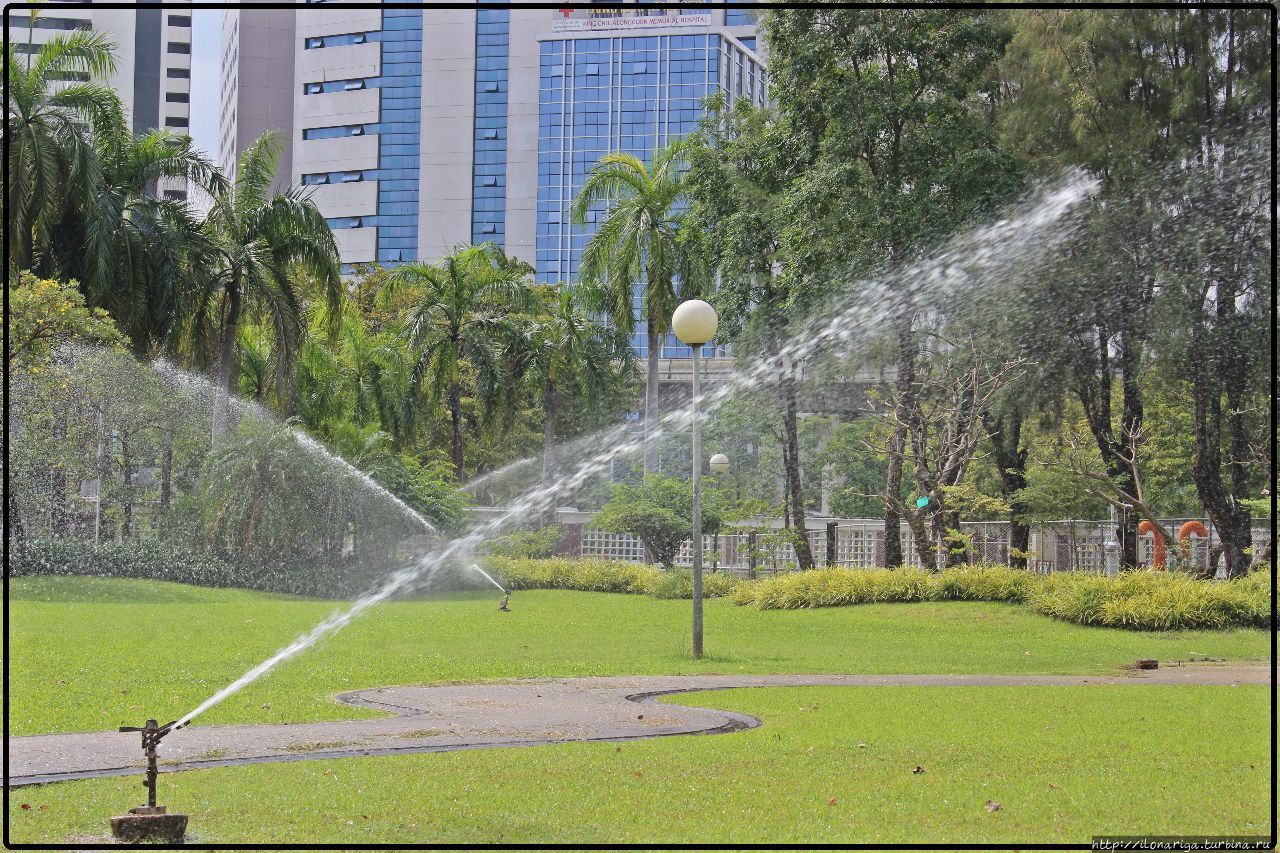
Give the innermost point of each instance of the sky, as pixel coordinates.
(206, 44)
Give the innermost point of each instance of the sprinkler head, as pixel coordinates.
(152, 822)
(502, 605)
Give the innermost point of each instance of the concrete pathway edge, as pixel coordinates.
(502, 714)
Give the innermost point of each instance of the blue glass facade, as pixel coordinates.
(489, 170)
(401, 112)
(631, 93)
(739, 17)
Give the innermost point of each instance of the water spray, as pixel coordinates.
(506, 593)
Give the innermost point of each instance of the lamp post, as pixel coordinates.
(694, 323)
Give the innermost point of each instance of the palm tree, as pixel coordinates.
(260, 245)
(564, 347)
(55, 110)
(637, 243)
(131, 251)
(460, 309)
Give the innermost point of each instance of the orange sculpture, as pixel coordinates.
(1158, 552)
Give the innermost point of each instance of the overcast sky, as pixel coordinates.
(206, 42)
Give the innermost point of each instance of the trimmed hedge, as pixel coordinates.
(162, 562)
(607, 576)
(585, 575)
(147, 560)
(1141, 600)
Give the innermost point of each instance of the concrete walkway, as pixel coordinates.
(520, 713)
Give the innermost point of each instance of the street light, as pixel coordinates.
(718, 463)
(694, 323)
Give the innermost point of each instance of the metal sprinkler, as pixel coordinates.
(502, 605)
(150, 822)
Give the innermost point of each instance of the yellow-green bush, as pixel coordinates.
(586, 575)
(1155, 601)
(983, 583)
(839, 587)
(679, 584)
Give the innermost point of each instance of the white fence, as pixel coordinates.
(1057, 546)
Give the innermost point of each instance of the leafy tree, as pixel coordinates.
(637, 242)
(1159, 106)
(259, 244)
(55, 109)
(560, 349)
(659, 511)
(135, 254)
(891, 112)
(461, 308)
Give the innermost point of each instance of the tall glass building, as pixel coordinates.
(418, 130)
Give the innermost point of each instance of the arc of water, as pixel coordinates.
(987, 249)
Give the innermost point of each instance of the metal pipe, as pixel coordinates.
(697, 512)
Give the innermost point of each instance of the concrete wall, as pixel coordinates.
(448, 125)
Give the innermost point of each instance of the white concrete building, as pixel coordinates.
(152, 50)
(256, 85)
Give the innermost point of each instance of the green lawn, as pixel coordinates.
(1063, 762)
(91, 653)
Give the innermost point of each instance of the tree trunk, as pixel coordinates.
(166, 472)
(548, 429)
(904, 384)
(228, 376)
(58, 515)
(126, 479)
(651, 410)
(1011, 461)
(804, 554)
(455, 417)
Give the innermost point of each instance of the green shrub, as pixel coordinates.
(839, 587)
(983, 583)
(679, 584)
(538, 544)
(146, 560)
(1155, 601)
(1140, 600)
(586, 575)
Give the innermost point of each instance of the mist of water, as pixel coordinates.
(970, 260)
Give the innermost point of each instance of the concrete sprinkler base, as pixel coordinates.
(149, 824)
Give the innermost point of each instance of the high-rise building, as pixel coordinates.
(258, 50)
(152, 53)
(418, 130)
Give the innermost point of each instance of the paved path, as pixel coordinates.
(520, 713)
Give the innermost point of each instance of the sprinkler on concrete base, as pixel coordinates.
(150, 822)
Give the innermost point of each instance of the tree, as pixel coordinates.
(461, 308)
(135, 254)
(1158, 105)
(637, 242)
(561, 349)
(659, 512)
(892, 108)
(55, 110)
(259, 243)
(741, 165)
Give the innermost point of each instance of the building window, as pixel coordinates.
(175, 121)
(179, 73)
(177, 98)
(43, 23)
(180, 20)
(175, 195)
(182, 47)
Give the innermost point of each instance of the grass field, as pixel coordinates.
(92, 654)
(1064, 763)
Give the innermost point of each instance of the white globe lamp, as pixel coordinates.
(694, 322)
(719, 463)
